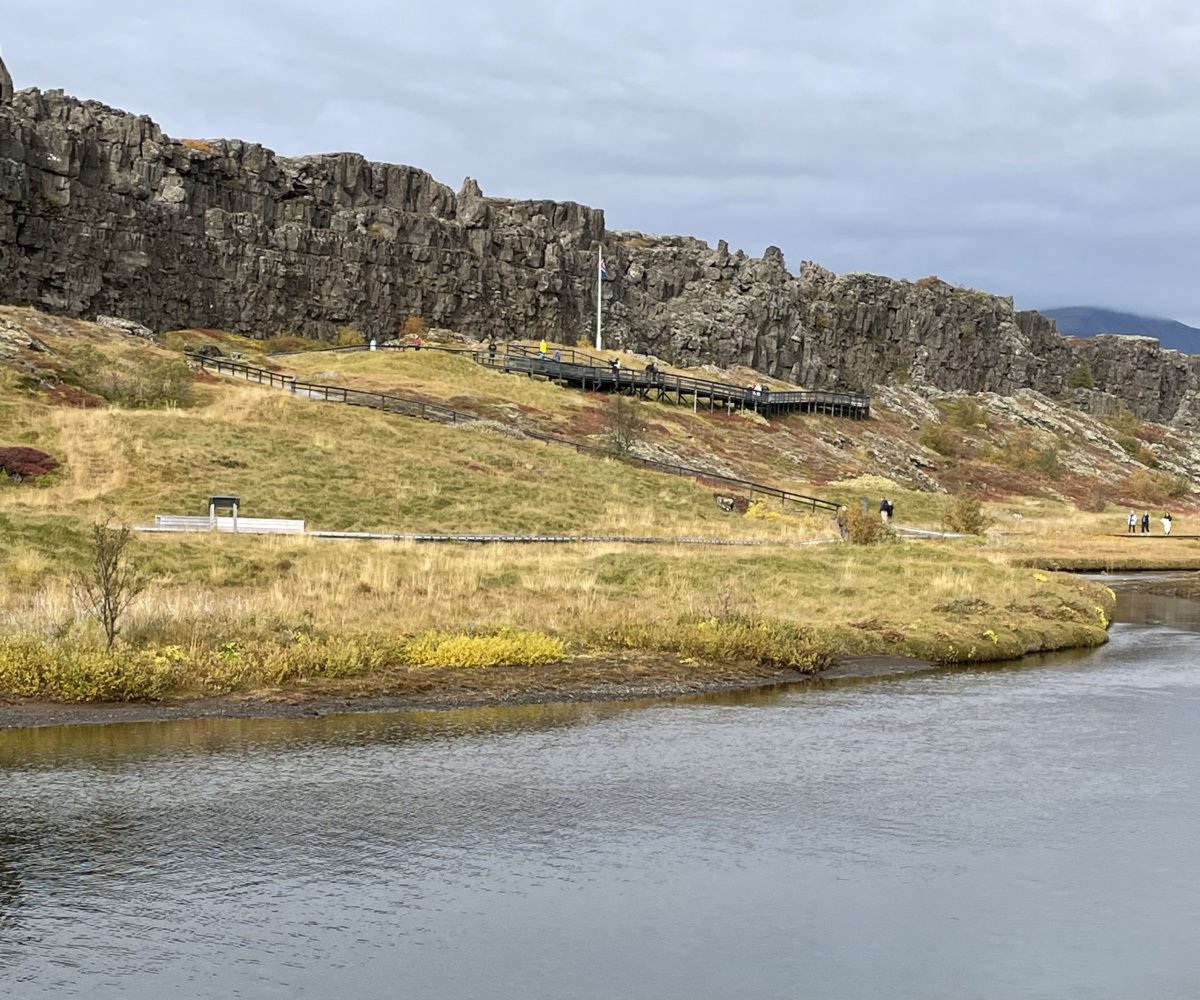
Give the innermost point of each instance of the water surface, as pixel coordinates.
(1015, 832)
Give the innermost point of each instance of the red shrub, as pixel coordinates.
(25, 463)
(70, 395)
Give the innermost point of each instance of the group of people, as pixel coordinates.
(1133, 521)
(757, 389)
(887, 510)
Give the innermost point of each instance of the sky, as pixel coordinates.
(1044, 149)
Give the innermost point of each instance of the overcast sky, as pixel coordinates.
(1045, 149)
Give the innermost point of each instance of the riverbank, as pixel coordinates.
(635, 684)
(412, 627)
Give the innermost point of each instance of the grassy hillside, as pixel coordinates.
(138, 435)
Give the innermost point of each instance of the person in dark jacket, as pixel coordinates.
(1145, 522)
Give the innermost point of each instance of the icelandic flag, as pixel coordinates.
(603, 270)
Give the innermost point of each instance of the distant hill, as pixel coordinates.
(1085, 321)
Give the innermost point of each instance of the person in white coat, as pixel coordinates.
(1166, 523)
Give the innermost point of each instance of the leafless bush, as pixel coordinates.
(108, 587)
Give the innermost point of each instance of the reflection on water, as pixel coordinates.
(1016, 832)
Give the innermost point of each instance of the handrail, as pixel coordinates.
(411, 406)
(389, 402)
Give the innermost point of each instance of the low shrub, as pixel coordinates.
(289, 343)
(507, 647)
(723, 639)
(412, 327)
(1125, 421)
(866, 527)
(235, 666)
(1155, 488)
(34, 669)
(19, 462)
(347, 336)
(965, 413)
(942, 439)
(146, 385)
(1047, 463)
(77, 671)
(1129, 444)
(1025, 453)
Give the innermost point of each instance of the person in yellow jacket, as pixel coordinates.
(543, 349)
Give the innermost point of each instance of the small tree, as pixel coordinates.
(111, 583)
(1081, 377)
(965, 514)
(347, 336)
(623, 425)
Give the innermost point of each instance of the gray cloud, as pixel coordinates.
(1043, 150)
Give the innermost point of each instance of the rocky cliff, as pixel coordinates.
(102, 213)
(6, 85)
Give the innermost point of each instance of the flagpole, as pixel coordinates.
(599, 299)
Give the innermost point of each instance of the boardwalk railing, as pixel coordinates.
(388, 402)
(410, 406)
(238, 525)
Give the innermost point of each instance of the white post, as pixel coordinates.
(599, 299)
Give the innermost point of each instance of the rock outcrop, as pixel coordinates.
(101, 213)
(680, 299)
(6, 84)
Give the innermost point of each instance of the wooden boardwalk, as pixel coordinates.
(594, 373)
(589, 372)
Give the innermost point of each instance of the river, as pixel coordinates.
(1025, 831)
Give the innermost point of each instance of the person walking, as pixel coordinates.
(1132, 523)
(884, 507)
(492, 349)
(543, 349)
(1145, 522)
(1166, 523)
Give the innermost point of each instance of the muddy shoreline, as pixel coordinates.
(293, 704)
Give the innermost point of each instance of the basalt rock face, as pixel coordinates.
(103, 214)
(682, 300)
(1156, 384)
(100, 212)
